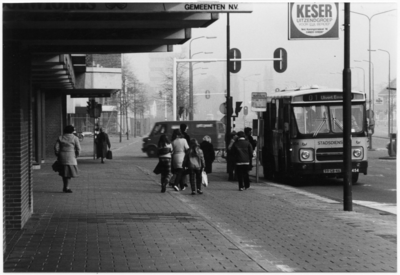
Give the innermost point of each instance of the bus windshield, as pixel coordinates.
(317, 119)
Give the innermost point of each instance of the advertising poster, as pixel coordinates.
(313, 21)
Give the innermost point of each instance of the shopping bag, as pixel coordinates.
(109, 154)
(157, 170)
(204, 179)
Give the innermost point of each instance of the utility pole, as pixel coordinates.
(347, 164)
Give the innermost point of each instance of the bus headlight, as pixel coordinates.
(358, 152)
(306, 154)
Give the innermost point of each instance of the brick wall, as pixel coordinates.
(54, 123)
(103, 60)
(17, 139)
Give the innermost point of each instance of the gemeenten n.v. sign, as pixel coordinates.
(313, 21)
(218, 7)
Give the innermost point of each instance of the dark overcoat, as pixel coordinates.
(209, 155)
(102, 141)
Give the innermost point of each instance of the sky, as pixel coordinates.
(310, 62)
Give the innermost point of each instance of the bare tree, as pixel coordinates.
(182, 85)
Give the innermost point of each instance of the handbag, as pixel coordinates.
(109, 154)
(56, 166)
(204, 178)
(157, 170)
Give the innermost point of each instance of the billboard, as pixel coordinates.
(313, 21)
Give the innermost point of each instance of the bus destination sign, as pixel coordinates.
(325, 97)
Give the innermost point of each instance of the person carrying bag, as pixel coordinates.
(194, 162)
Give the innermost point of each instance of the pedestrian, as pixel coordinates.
(179, 148)
(194, 161)
(229, 158)
(249, 136)
(102, 145)
(164, 156)
(184, 128)
(209, 154)
(242, 152)
(67, 149)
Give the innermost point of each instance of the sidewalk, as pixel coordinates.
(118, 221)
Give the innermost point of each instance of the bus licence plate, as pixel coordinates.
(327, 171)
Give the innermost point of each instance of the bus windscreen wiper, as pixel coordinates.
(337, 122)
(320, 125)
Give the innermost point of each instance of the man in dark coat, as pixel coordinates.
(102, 141)
(209, 153)
(242, 152)
(184, 129)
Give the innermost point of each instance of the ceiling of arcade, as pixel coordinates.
(60, 34)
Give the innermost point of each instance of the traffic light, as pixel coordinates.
(97, 110)
(90, 107)
(181, 110)
(234, 66)
(238, 107)
(245, 110)
(280, 66)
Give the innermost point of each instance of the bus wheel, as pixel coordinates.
(152, 152)
(354, 177)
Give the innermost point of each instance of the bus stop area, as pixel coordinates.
(117, 220)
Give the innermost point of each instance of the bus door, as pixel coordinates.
(286, 134)
(277, 135)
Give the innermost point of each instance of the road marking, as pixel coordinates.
(387, 207)
(377, 175)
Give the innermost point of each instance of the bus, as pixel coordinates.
(303, 134)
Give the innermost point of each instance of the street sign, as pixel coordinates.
(223, 120)
(234, 66)
(222, 108)
(258, 102)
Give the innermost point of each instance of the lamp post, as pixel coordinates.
(369, 45)
(191, 74)
(363, 75)
(371, 107)
(389, 107)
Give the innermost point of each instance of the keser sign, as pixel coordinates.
(313, 21)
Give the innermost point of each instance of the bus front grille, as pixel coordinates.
(328, 154)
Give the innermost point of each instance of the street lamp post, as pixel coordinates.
(191, 74)
(369, 55)
(389, 107)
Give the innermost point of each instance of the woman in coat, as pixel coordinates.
(209, 153)
(179, 147)
(164, 156)
(194, 161)
(67, 150)
(102, 141)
